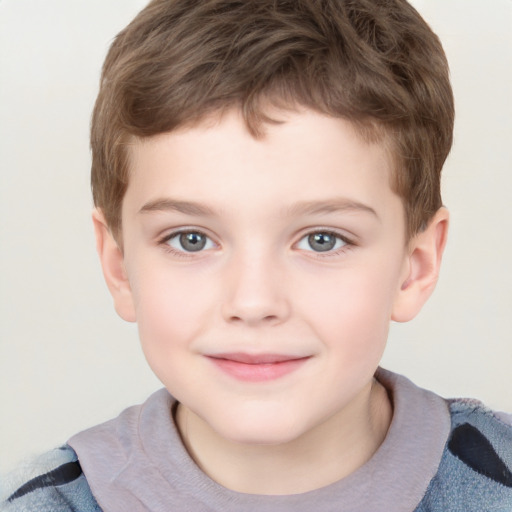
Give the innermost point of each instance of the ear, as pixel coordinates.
(112, 263)
(422, 268)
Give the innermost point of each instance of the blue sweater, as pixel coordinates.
(474, 475)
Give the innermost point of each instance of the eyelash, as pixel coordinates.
(164, 242)
(347, 243)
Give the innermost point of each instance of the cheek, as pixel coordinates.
(353, 309)
(170, 315)
(171, 309)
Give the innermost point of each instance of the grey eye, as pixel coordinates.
(321, 241)
(190, 241)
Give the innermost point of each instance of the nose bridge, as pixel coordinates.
(254, 288)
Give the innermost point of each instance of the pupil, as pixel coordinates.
(192, 241)
(321, 242)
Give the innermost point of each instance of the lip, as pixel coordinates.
(257, 367)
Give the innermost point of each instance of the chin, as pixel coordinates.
(260, 432)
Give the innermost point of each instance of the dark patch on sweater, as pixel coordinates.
(469, 445)
(60, 476)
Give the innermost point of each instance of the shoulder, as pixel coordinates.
(52, 482)
(480, 433)
(476, 468)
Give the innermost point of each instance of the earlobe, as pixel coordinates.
(422, 268)
(112, 263)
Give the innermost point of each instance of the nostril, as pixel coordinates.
(254, 301)
(253, 319)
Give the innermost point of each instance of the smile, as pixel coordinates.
(257, 368)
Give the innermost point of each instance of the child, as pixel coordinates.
(266, 181)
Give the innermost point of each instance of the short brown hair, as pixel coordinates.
(373, 62)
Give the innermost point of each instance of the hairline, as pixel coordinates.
(369, 130)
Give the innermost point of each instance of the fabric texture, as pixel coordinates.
(438, 455)
(53, 482)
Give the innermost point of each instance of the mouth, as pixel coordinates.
(257, 367)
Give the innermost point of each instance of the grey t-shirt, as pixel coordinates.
(137, 462)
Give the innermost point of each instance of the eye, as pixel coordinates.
(321, 241)
(189, 241)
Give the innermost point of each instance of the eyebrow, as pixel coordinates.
(174, 205)
(336, 205)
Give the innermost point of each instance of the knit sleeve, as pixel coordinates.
(52, 482)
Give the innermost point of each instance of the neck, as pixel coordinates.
(325, 454)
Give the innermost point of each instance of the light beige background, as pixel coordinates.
(66, 360)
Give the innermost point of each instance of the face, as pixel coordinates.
(263, 273)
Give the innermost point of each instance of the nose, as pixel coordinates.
(255, 292)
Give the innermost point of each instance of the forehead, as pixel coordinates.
(305, 156)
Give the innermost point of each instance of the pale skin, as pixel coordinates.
(289, 246)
